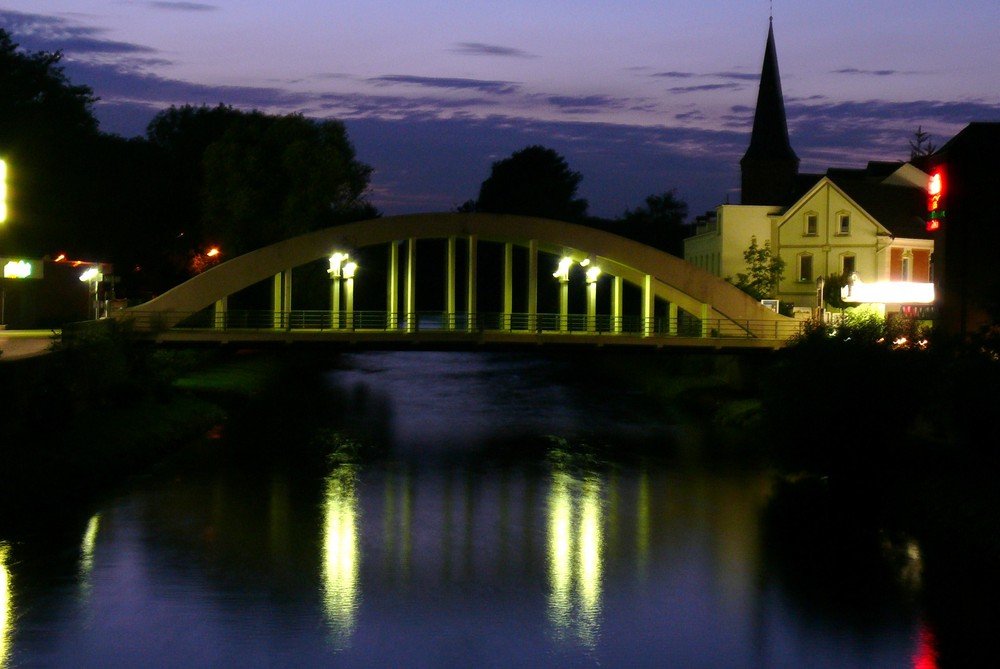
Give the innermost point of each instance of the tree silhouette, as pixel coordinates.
(535, 181)
(269, 178)
(660, 223)
(46, 130)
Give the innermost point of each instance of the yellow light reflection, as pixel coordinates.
(87, 553)
(341, 557)
(3, 190)
(576, 557)
(87, 545)
(6, 607)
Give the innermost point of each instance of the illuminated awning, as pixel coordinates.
(888, 292)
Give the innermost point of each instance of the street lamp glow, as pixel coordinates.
(336, 262)
(562, 272)
(90, 275)
(349, 270)
(592, 273)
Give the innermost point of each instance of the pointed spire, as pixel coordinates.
(770, 156)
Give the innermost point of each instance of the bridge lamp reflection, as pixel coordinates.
(6, 607)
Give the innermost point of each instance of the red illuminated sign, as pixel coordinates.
(935, 191)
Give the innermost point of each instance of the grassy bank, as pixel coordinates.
(87, 416)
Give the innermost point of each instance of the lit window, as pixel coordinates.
(843, 224)
(812, 225)
(805, 267)
(906, 267)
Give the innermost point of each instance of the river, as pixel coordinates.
(516, 513)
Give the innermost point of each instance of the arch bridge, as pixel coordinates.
(547, 282)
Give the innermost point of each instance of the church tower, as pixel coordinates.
(770, 166)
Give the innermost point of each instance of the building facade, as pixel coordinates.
(863, 225)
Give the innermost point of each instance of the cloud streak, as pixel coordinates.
(484, 86)
(480, 49)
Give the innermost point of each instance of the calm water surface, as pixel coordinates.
(491, 534)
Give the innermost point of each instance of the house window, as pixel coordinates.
(906, 267)
(843, 224)
(848, 264)
(812, 225)
(805, 267)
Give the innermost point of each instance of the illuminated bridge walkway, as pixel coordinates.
(546, 282)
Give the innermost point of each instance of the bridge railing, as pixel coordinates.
(548, 323)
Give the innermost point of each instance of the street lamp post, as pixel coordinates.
(92, 277)
(562, 273)
(349, 270)
(593, 272)
(336, 266)
(819, 297)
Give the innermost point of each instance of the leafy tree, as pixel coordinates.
(660, 223)
(269, 178)
(764, 271)
(46, 129)
(535, 181)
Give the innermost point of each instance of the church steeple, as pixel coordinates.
(769, 166)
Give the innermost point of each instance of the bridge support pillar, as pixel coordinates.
(349, 288)
(647, 305)
(672, 317)
(533, 285)
(616, 304)
(281, 299)
(591, 307)
(449, 288)
(473, 268)
(221, 311)
(392, 289)
(411, 285)
(508, 286)
(564, 305)
(706, 326)
(335, 302)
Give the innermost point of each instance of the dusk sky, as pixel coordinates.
(640, 98)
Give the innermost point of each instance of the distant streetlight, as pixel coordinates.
(92, 276)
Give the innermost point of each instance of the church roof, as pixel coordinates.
(769, 137)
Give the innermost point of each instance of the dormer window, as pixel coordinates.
(811, 225)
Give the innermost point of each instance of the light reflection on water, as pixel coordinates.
(341, 555)
(6, 605)
(575, 559)
(545, 559)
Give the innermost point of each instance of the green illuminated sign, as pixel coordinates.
(19, 268)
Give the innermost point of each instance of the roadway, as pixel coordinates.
(19, 344)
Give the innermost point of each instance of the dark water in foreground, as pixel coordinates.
(487, 536)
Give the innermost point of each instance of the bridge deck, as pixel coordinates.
(383, 330)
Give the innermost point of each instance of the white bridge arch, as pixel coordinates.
(719, 310)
